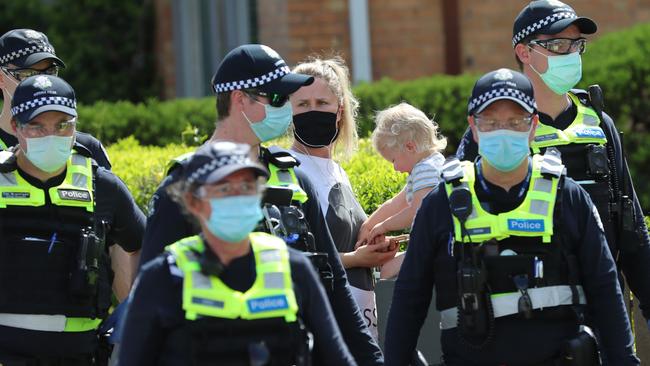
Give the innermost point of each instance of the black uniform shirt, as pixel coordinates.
(166, 224)
(91, 144)
(116, 206)
(428, 263)
(635, 266)
(155, 311)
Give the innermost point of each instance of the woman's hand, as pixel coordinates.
(372, 255)
(362, 237)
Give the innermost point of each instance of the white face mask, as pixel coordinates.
(49, 153)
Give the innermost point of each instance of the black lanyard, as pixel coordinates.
(483, 183)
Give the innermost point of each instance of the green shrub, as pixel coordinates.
(373, 179)
(143, 167)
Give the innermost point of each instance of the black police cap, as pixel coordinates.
(256, 66)
(216, 160)
(42, 93)
(548, 17)
(499, 85)
(26, 47)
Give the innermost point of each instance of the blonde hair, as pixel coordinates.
(402, 123)
(337, 76)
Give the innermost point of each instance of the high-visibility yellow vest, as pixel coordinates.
(533, 217)
(585, 129)
(271, 295)
(76, 190)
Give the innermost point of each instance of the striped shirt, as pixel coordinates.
(425, 174)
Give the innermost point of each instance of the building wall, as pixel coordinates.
(406, 36)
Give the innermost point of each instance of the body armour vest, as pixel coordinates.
(51, 262)
(584, 154)
(230, 325)
(517, 250)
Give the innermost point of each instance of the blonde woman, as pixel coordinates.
(324, 122)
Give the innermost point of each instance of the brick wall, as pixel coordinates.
(406, 36)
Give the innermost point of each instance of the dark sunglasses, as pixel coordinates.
(23, 73)
(275, 100)
(562, 46)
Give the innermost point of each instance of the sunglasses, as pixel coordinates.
(23, 73)
(275, 99)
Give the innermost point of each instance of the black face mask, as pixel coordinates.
(315, 128)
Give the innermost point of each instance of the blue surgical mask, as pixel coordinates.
(503, 149)
(563, 72)
(275, 123)
(49, 153)
(234, 217)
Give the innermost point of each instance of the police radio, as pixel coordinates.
(474, 304)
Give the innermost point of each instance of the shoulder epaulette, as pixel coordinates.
(8, 160)
(281, 158)
(552, 163)
(452, 170)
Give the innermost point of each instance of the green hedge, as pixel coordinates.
(142, 168)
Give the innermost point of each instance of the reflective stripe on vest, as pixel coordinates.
(585, 129)
(76, 190)
(533, 217)
(507, 303)
(48, 323)
(280, 177)
(271, 295)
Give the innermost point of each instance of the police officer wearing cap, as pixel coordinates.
(517, 254)
(252, 85)
(548, 42)
(24, 53)
(228, 295)
(58, 213)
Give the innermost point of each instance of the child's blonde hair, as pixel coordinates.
(337, 76)
(399, 124)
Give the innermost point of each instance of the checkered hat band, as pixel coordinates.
(541, 24)
(5, 59)
(502, 92)
(217, 163)
(31, 104)
(252, 83)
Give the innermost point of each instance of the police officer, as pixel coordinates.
(517, 253)
(58, 213)
(24, 53)
(228, 295)
(253, 84)
(548, 42)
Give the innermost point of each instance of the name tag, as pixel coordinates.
(15, 195)
(534, 225)
(269, 303)
(547, 137)
(74, 195)
(479, 231)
